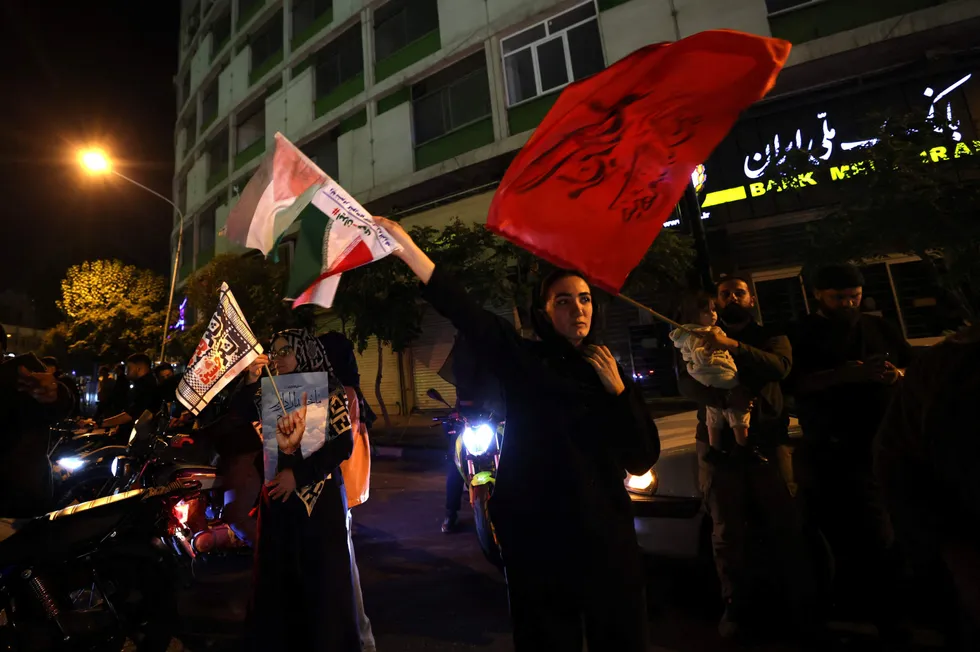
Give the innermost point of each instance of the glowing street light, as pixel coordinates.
(96, 161)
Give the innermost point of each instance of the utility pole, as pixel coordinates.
(691, 213)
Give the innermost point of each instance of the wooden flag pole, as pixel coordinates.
(654, 313)
(278, 395)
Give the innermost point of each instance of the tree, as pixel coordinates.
(99, 283)
(257, 284)
(383, 299)
(914, 190)
(111, 311)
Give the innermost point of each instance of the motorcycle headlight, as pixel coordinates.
(118, 466)
(478, 439)
(645, 484)
(71, 463)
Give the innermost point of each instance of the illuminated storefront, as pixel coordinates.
(757, 229)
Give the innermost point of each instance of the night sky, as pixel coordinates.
(76, 73)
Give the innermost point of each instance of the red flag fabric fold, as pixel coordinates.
(592, 187)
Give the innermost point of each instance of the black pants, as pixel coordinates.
(579, 588)
(733, 492)
(303, 597)
(454, 482)
(845, 501)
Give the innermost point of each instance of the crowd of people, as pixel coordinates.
(866, 478)
(883, 471)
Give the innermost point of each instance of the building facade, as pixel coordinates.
(417, 107)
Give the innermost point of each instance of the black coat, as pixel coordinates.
(568, 442)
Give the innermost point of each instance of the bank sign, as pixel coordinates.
(830, 132)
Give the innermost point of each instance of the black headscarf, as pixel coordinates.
(541, 322)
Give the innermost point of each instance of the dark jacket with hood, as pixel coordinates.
(568, 442)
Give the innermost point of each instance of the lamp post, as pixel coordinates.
(96, 161)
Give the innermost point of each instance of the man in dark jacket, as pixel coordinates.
(733, 488)
(144, 394)
(846, 370)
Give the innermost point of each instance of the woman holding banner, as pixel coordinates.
(574, 425)
(302, 594)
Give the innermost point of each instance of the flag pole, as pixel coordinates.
(654, 313)
(278, 395)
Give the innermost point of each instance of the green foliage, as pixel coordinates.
(915, 192)
(257, 284)
(111, 311)
(99, 283)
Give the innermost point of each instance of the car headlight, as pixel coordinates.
(71, 463)
(645, 484)
(478, 440)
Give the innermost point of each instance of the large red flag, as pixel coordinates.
(592, 187)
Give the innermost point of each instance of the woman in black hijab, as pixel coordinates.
(575, 425)
(302, 596)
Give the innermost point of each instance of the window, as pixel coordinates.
(191, 22)
(185, 89)
(220, 32)
(779, 6)
(450, 99)
(926, 308)
(401, 22)
(323, 152)
(305, 16)
(781, 300)
(187, 252)
(552, 54)
(266, 43)
(190, 132)
(251, 129)
(209, 106)
(218, 155)
(182, 194)
(342, 59)
(205, 236)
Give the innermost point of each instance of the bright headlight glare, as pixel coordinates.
(646, 483)
(71, 463)
(477, 440)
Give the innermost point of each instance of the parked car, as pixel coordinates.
(669, 518)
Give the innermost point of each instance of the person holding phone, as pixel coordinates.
(31, 399)
(575, 425)
(847, 366)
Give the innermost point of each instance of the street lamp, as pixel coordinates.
(96, 161)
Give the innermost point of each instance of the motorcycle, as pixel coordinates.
(150, 460)
(477, 442)
(93, 576)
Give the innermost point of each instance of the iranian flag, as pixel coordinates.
(282, 186)
(335, 235)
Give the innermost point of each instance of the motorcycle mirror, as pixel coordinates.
(436, 396)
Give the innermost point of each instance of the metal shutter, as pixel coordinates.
(429, 353)
(391, 387)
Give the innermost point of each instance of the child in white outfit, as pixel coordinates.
(712, 369)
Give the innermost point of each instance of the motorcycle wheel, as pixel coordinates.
(145, 598)
(484, 528)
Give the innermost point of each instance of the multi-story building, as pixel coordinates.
(417, 107)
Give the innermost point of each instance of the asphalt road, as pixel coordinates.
(426, 591)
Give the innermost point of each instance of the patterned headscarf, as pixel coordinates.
(309, 353)
(310, 357)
